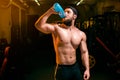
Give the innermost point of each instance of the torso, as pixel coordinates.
(65, 43)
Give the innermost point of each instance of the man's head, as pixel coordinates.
(71, 15)
(73, 9)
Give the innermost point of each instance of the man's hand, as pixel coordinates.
(86, 75)
(53, 11)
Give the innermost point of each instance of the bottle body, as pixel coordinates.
(59, 9)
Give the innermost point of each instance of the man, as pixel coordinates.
(66, 38)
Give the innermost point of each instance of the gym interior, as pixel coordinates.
(27, 54)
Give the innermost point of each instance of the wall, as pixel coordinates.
(107, 6)
(5, 23)
(6, 18)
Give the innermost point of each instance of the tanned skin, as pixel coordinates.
(66, 39)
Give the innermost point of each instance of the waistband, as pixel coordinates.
(61, 65)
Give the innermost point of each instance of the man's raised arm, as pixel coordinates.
(42, 25)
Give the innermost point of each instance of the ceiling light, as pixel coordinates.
(37, 2)
(79, 2)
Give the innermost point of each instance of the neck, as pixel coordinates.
(69, 24)
(69, 27)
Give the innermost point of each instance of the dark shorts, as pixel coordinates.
(68, 72)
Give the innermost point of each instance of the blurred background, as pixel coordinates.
(27, 54)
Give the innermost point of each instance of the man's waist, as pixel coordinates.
(67, 65)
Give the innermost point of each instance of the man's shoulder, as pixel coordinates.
(82, 33)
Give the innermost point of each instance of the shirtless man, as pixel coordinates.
(66, 39)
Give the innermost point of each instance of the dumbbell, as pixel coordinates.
(57, 7)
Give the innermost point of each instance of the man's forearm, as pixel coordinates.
(85, 60)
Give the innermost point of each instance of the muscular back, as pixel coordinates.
(66, 40)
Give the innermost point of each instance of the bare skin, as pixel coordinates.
(2, 69)
(66, 39)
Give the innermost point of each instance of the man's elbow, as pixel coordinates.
(36, 25)
(84, 51)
